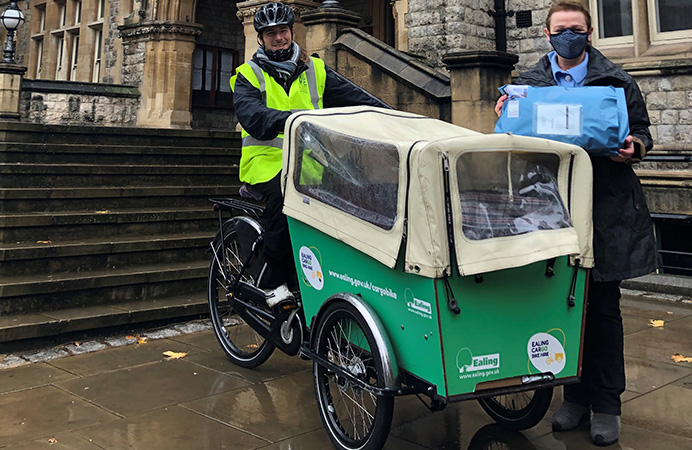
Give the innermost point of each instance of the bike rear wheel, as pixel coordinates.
(241, 344)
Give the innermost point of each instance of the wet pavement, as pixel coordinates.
(117, 393)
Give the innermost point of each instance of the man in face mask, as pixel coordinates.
(279, 79)
(624, 245)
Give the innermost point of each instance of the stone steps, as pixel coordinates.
(43, 292)
(76, 153)
(104, 227)
(26, 200)
(682, 177)
(102, 136)
(667, 186)
(81, 175)
(16, 327)
(49, 257)
(60, 226)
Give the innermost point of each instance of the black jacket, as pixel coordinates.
(266, 123)
(624, 244)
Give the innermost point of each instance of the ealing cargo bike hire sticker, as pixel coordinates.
(546, 352)
(312, 269)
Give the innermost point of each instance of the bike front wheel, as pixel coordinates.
(241, 344)
(355, 418)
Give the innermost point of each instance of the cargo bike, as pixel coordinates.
(432, 260)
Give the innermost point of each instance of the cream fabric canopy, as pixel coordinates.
(374, 178)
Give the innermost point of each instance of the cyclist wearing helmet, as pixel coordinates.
(280, 78)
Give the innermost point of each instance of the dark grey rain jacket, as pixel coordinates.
(624, 244)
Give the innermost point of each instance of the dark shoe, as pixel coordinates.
(605, 429)
(569, 416)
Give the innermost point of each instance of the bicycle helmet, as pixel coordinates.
(273, 14)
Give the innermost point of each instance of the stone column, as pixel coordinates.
(246, 14)
(474, 78)
(400, 9)
(10, 89)
(323, 27)
(158, 59)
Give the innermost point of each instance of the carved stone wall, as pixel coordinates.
(112, 46)
(74, 103)
(165, 66)
(669, 101)
(436, 27)
(529, 43)
(222, 28)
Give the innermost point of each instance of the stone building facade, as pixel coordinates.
(659, 61)
(175, 58)
(106, 41)
(437, 27)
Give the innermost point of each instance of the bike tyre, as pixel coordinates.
(518, 411)
(242, 345)
(333, 404)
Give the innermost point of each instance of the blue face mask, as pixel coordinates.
(569, 44)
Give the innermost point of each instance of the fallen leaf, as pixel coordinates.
(679, 358)
(43, 242)
(141, 340)
(52, 441)
(174, 355)
(77, 343)
(105, 211)
(129, 337)
(656, 323)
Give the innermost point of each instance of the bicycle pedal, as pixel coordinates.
(287, 306)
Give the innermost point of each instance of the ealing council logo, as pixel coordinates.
(466, 362)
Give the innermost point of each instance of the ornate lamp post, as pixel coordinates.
(11, 18)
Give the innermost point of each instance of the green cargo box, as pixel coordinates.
(512, 323)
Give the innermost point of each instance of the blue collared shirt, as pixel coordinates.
(569, 78)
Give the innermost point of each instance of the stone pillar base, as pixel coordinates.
(323, 27)
(10, 90)
(474, 78)
(163, 72)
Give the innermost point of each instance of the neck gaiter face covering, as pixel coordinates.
(569, 44)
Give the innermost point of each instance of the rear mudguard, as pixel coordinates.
(232, 223)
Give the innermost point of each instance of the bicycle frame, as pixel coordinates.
(237, 292)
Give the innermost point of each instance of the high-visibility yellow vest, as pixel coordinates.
(260, 161)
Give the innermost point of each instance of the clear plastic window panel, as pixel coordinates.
(509, 194)
(357, 176)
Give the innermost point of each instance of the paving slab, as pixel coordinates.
(666, 410)
(59, 441)
(31, 376)
(135, 390)
(42, 412)
(171, 428)
(113, 359)
(121, 394)
(274, 410)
